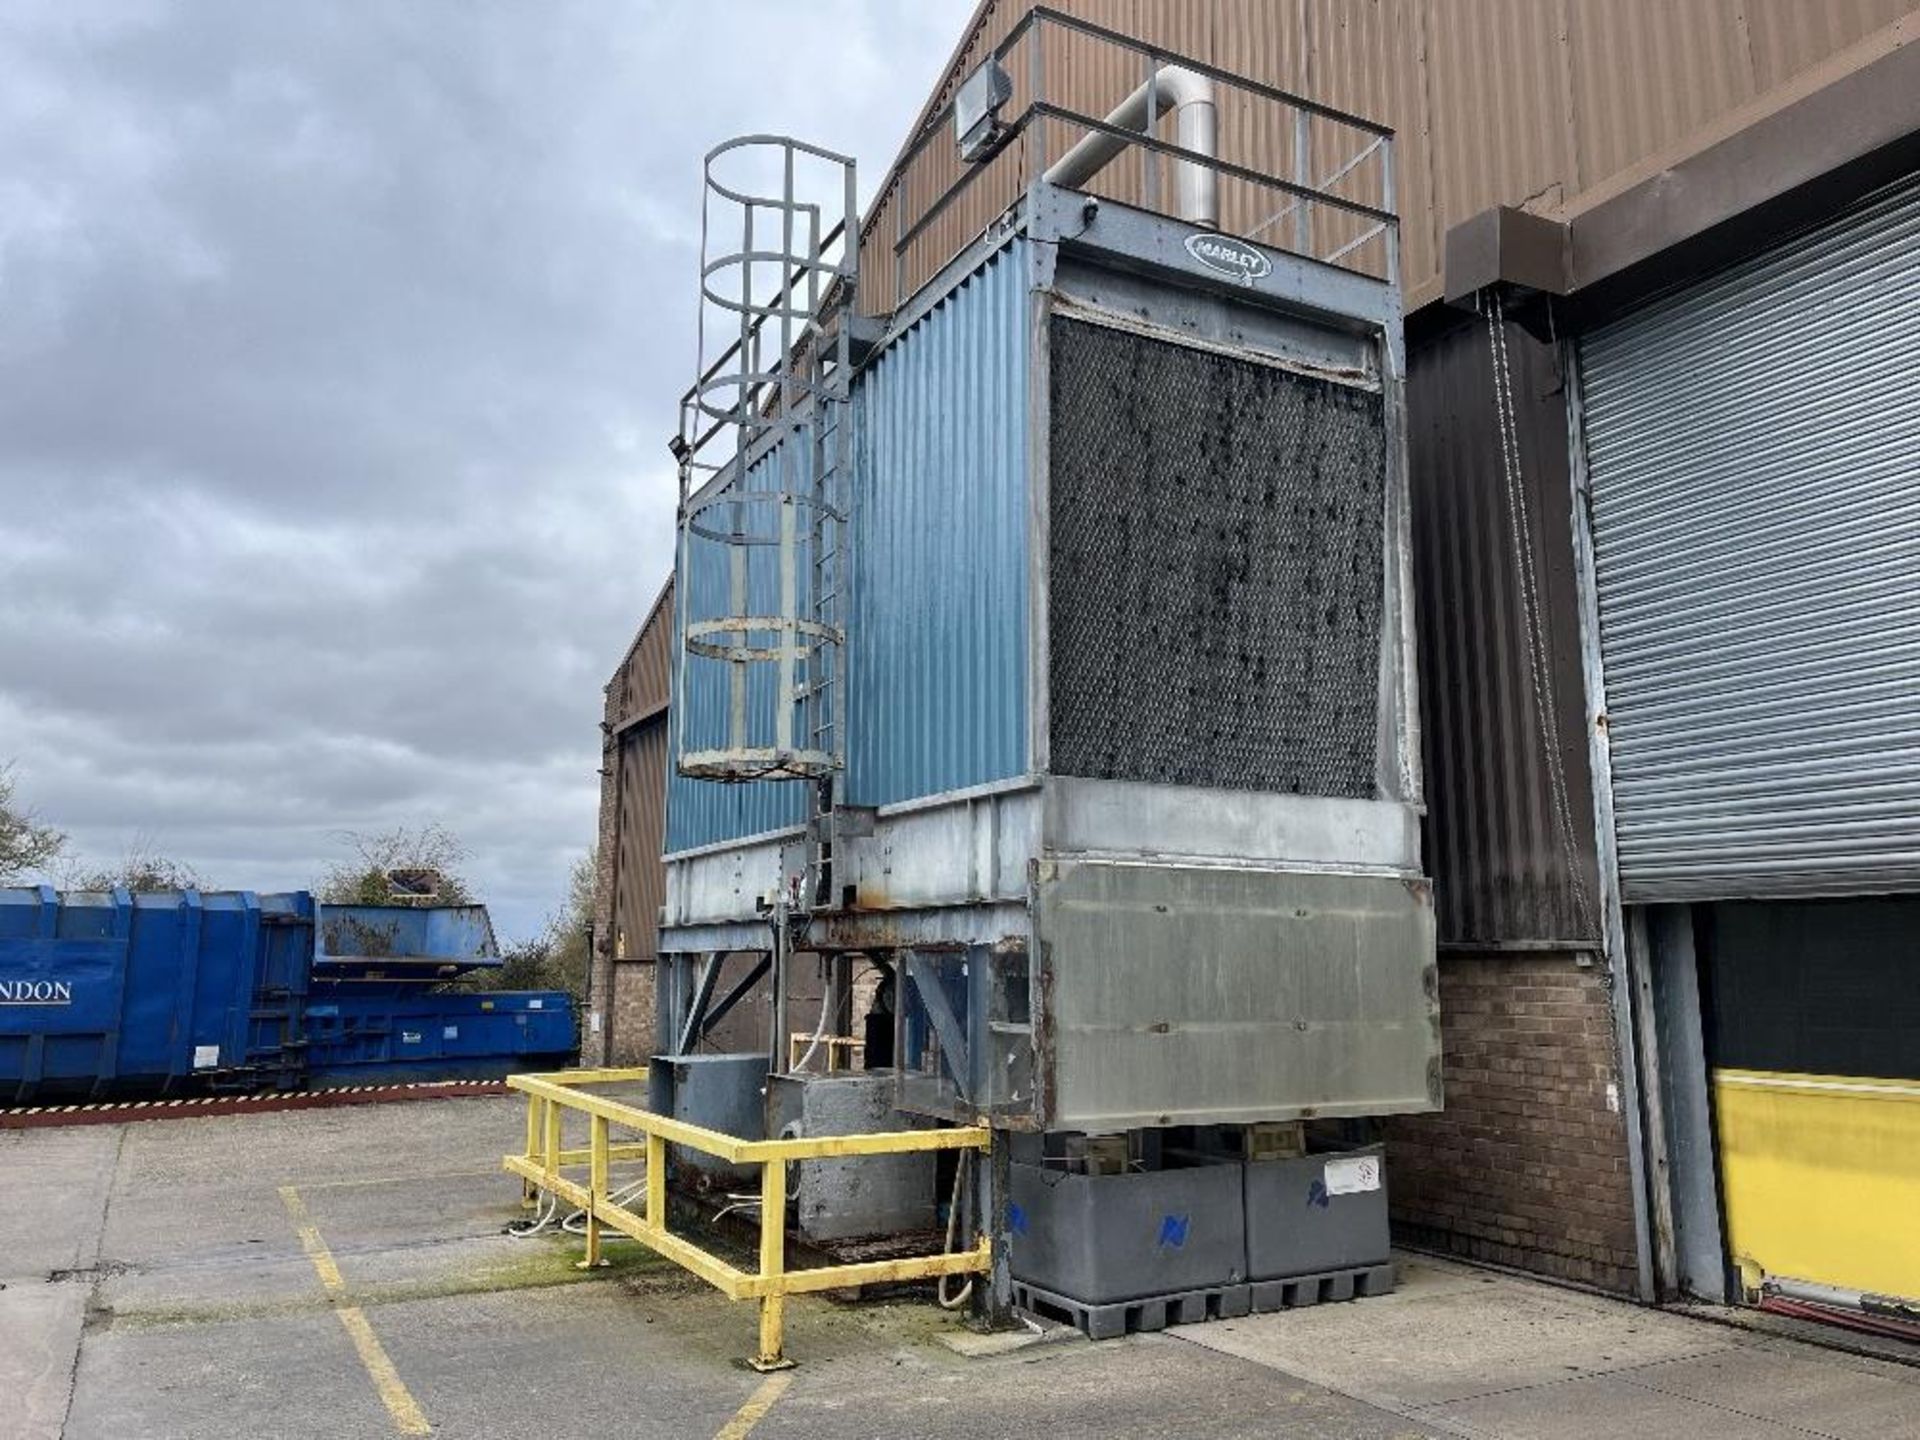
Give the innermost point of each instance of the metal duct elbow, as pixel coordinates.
(1189, 95)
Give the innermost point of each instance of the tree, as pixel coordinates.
(27, 847)
(389, 867)
(143, 869)
(570, 932)
(560, 956)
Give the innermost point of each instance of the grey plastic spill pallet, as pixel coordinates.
(1192, 1307)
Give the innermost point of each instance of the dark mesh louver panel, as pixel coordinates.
(1216, 568)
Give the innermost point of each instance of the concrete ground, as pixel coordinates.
(343, 1274)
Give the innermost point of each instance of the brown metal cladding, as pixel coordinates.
(644, 679)
(640, 878)
(1517, 102)
(1510, 861)
(1784, 37)
(1688, 64)
(634, 781)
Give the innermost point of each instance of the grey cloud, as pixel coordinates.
(338, 347)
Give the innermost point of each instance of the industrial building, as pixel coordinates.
(1655, 272)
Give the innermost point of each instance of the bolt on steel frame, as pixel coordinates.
(546, 1158)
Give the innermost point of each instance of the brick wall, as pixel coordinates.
(1527, 1165)
(629, 1023)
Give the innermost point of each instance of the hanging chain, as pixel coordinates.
(1539, 662)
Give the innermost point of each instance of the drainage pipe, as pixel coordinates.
(1196, 127)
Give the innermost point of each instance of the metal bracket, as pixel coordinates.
(946, 1025)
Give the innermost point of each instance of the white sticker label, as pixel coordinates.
(450, 1032)
(593, 1022)
(536, 1004)
(409, 1037)
(1353, 1174)
(205, 1057)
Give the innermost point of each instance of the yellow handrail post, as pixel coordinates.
(656, 1182)
(773, 1265)
(596, 1187)
(530, 1192)
(550, 1162)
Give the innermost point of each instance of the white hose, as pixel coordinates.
(953, 1228)
(819, 1030)
(736, 1200)
(574, 1222)
(543, 1217)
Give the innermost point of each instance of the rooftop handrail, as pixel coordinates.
(1301, 190)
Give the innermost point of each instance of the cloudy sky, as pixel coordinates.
(339, 346)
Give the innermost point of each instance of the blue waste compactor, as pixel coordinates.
(176, 992)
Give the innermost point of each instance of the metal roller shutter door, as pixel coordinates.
(1753, 446)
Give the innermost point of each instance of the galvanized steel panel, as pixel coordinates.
(1190, 995)
(1754, 447)
(936, 660)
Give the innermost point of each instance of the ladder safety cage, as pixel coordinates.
(765, 460)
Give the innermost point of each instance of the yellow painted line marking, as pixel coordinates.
(408, 1417)
(418, 1178)
(755, 1410)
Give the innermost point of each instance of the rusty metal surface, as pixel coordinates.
(1508, 864)
(1495, 101)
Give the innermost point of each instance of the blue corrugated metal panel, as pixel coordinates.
(703, 812)
(937, 633)
(937, 669)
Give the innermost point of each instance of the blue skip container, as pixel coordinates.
(111, 993)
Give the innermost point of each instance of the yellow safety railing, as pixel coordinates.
(546, 1159)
